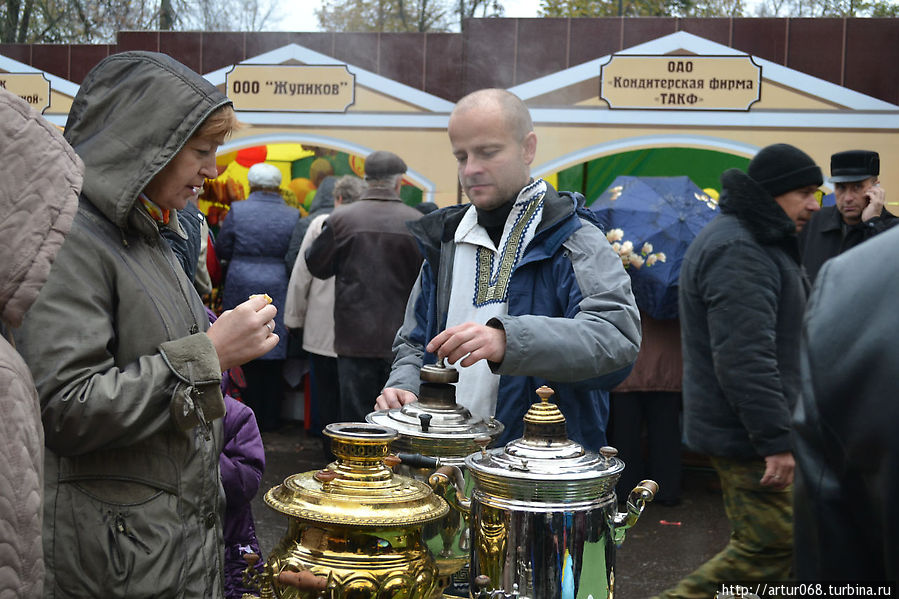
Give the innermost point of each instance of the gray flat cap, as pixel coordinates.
(381, 164)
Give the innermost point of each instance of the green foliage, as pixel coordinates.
(719, 8)
(98, 21)
(884, 8)
(640, 8)
(827, 8)
(402, 15)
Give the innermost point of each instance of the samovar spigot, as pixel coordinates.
(265, 581)
(254, 579)
(636, 501)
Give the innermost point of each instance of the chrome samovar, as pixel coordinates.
(436, 431)
(543, 513)
(354, 527)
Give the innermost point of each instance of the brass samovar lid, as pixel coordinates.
(358, 489)
(544, 454)
(436, 425)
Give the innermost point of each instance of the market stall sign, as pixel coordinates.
(680, 82)
(34, 88)
(291, 88)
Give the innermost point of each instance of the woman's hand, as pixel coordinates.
(244, 333)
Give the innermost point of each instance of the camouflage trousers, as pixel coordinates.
(761, 538)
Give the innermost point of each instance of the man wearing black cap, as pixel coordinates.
(375, 260)
(742, 296)
(859, 213)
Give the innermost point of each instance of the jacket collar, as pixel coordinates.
(832, 219)
(439, 226)
(755, 208)
(266, 196)
(376, 191)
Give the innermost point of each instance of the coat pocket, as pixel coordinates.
(111, 550)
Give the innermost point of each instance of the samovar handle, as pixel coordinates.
(636, 501)
(449, 482)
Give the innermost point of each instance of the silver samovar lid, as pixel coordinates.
(436, 425)
(544, 465)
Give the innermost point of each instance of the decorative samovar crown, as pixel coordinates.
(544, 421)
(358, 489)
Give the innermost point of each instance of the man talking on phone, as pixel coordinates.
(859, 213)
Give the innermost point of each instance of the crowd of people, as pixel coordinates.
(131, 466)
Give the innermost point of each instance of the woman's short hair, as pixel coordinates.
(219, 124)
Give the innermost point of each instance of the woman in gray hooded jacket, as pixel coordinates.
(126, 364)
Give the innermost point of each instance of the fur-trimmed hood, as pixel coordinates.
(755, 208)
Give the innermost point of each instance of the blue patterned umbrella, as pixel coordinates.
(651, 221)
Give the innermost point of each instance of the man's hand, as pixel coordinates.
(778, 470)
(476, 341)
(244, 333)
(876, 198)
(394, 398)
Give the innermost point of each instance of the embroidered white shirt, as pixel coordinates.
(481, 275)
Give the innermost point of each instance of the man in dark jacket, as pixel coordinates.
(520, 287)
(847, 481)
(859, 213)
(742, 297)
(375, 260)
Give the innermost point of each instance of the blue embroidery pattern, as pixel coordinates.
(490, 289)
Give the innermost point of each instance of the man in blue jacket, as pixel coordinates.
(519, 288)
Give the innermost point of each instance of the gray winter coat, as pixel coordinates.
(128, 381)
(36, 209)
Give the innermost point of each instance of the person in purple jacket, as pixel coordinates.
(242, 463)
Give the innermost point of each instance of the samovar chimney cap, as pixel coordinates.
(439, 373)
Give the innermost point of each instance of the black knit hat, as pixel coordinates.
(780, 168)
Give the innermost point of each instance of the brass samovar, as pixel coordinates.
(354, 525)
(436, 431)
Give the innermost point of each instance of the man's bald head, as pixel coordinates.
(514, 111)
(492, 137)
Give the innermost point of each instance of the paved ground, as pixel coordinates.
(666, 544)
